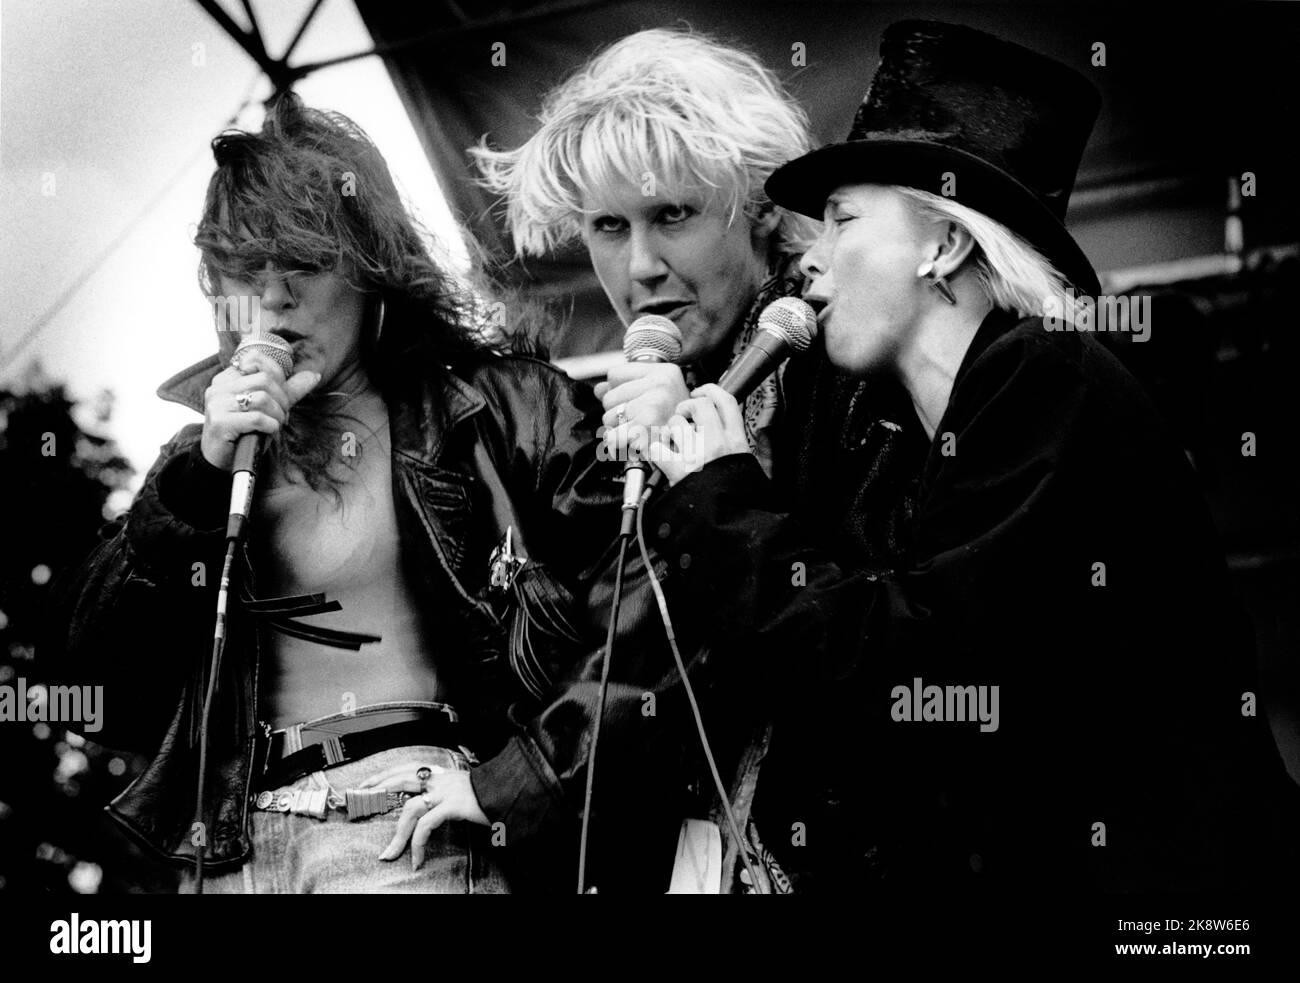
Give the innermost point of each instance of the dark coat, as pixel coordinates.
(1058, 548)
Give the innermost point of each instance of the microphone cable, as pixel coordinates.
(214, 669)
(600, 713)
(666, 618)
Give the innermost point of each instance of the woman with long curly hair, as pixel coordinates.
(361, 702)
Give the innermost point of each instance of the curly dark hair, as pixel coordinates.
(311, 193)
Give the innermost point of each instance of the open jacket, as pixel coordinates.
(137, 616)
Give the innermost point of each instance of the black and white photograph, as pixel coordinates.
(624, 448)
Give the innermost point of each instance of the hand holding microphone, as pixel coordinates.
(709, 425)
(245, 404)
(705, 427)
(649, 339)
(251, 397)
(644, 391)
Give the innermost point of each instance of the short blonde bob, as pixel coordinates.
(673, 112)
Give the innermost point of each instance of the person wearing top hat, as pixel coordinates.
(1053, 688)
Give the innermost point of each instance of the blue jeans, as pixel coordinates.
(295, 854)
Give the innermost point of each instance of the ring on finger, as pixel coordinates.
(620, 413)
(243, 400)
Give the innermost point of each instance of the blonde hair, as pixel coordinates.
(1013, 274)
(669, 109)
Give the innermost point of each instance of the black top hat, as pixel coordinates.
(1009, 123)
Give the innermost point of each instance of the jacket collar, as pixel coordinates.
(996, 323)
(188, 385)
(422, 411)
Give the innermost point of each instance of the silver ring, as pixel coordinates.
(620, 413)
(243, 400)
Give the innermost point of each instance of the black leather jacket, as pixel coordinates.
(137, 616)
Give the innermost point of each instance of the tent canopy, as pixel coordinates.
(1190, 97)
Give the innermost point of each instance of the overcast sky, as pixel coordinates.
(102, 106)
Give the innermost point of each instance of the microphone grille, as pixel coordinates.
(652, 337)
(273, 347)
(792, 319)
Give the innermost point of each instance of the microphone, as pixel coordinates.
(650, 338)
(250, 444)
(786, 327)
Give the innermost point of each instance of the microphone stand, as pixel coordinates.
(214, 671)
(245, 476)
(637, 491)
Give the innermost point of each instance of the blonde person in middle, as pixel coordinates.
(655, 154)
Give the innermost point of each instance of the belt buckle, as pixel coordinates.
(312, 802)
(277, 801)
